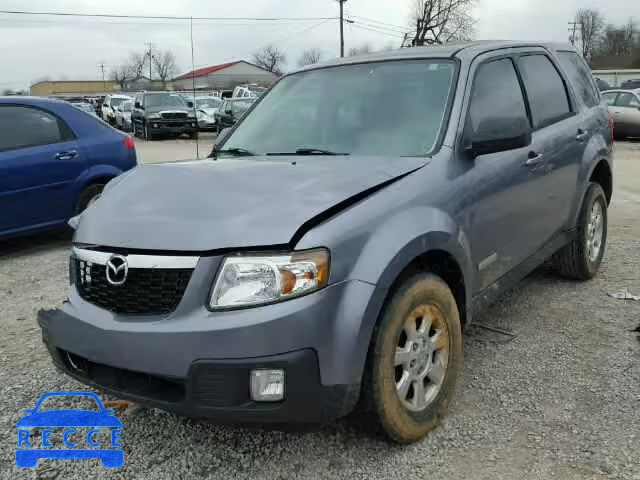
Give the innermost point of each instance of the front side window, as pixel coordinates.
(545, 90)
(627, 100)
(23, 127)
(393, 108)
(496, 99)
(580, 77)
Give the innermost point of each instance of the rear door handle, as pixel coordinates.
(582, 134)
(67, 155)
(534, 159)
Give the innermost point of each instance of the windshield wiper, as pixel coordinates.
(308, 151)
(239, 152)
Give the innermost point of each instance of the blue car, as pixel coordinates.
(28, 457)
(54, 162)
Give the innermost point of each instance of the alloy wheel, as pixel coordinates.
(421, 358)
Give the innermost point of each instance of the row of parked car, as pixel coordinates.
(152, 114)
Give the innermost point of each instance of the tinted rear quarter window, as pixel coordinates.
(496, 96)
(579, 77)
(545, 90)
(29, 127)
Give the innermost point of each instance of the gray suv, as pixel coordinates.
(162, 113)
(346, 231)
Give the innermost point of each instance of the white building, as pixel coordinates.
(225, 76)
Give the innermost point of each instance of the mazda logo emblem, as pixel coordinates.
(117, 269)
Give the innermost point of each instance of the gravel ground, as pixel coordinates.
(555, 395)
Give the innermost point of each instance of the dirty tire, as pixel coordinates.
(572, 261)
(88, 195)
(380, 401)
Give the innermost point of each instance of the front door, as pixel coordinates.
(40, 160)
(501, 200)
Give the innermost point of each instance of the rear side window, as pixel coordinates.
(580, 77)
(496, 96)
(545, 90)
(627, 100)
(609, 98)
(23, 127)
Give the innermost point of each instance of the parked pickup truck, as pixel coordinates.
(346, 231)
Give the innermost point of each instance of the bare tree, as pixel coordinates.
(165, 65)
(310, 56)
(591, 24)
(361, 50)
(270, 58)
(442, 21)
(121, 75)
(136, 64)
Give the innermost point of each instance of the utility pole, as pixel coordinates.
(104, 85)
(341, 2)
(150, 55)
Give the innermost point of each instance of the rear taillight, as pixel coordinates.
(612, 125)
(128, 143)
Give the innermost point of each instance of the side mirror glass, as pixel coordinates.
(228, 112)
(190, 104)
(495, 135)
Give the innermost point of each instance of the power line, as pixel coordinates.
(377, 31)
(378, 21)
(160, 17)
(403, 31)
(202, 23)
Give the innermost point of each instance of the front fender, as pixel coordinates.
(381, 245)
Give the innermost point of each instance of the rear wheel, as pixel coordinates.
(414, 359)
(581, 259)
(89, 195)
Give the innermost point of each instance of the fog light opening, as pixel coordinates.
(267, 385)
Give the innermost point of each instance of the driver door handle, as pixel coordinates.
(66, 155)
(582, 134)
(534, 159)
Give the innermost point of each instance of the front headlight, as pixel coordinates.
(254, 280)
(153, 115)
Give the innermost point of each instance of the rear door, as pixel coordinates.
(557, 145)
(626, 113)
(40, 159)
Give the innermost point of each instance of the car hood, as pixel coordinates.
(69, 418)
(168, 108)
(209, 111)
(207, 205)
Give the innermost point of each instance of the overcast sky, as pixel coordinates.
(72, 48)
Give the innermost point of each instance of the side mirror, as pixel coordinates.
(228, 112)
(495, 135)
(190, 104)
(138, 105)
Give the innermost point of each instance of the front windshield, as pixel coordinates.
(238, 108)
(386, 108)
(164, 100)
(117, 101)
(207, 103)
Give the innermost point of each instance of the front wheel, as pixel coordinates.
(581, 259)
(147, 132)
(88, 196)
(414, 359)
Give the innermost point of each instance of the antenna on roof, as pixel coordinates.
(193, 86)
